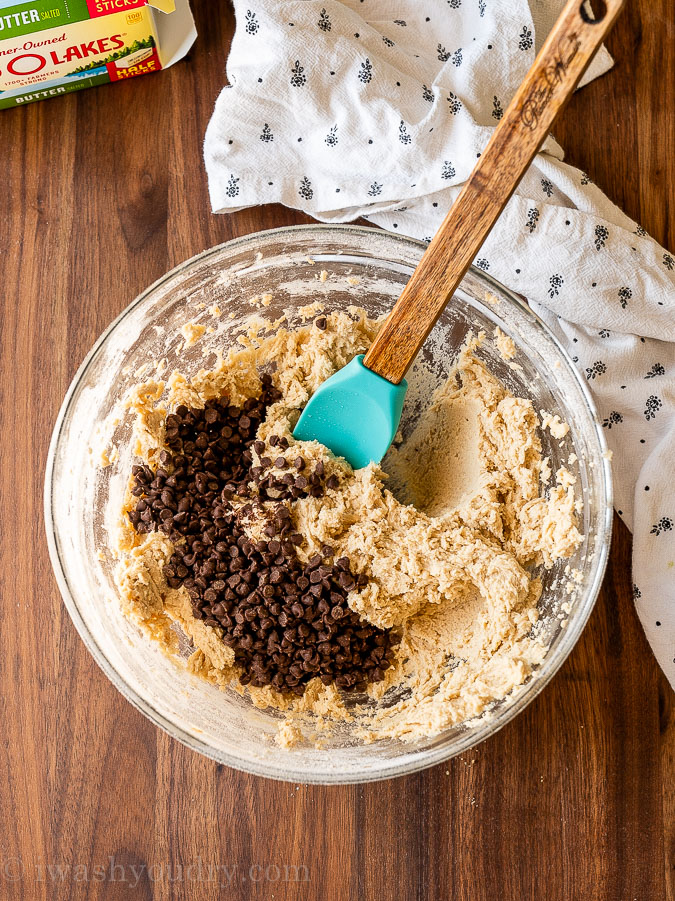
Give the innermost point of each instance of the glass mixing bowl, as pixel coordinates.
(365, 267)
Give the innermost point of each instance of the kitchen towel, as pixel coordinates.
(379, 108)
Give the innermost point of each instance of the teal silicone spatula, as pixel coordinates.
(356, 412)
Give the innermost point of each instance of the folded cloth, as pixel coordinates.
(379, 108)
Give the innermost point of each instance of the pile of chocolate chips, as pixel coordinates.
(286, 621)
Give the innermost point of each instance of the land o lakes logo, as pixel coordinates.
(30, 63)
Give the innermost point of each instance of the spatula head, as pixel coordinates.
(355, 413)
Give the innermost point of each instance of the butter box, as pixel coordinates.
(52, 47)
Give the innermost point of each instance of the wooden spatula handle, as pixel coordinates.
(553, 77)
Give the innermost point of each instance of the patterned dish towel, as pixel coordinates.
(379, 108)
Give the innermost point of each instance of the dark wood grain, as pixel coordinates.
(538, 101)
(102, 192)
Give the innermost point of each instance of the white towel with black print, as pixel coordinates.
(379, 108)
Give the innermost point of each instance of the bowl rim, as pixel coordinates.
(408, 763)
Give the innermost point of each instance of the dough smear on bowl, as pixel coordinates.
(446, 542)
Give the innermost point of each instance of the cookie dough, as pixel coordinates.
(448, 531)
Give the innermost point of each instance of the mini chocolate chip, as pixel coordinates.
(346, 581)
(253, 592)
(321, 323)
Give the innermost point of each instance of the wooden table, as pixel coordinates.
(102, 192)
